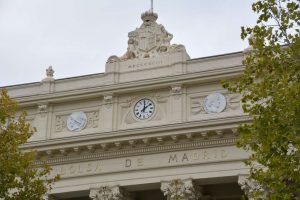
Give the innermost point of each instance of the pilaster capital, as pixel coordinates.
(181, 190)
(108, 99)
(42, 109)
(249, 186)
(109, 193)
(176, 89)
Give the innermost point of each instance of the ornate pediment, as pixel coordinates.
(149, 40)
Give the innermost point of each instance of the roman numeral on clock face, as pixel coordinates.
(144, 109)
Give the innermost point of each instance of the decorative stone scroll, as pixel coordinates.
(92, 121)
(109, 193)
(181, 190)
(149, 40)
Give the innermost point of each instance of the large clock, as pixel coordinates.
(144, 109)
(77, 121)
(214, 103)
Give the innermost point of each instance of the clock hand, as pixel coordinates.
(143, 110)
(147, 106)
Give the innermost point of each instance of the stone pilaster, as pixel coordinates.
(107, 111)
(181, 190)
(109, 193)
(41, 121)
(176, 103)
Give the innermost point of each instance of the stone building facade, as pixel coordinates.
(156, 125)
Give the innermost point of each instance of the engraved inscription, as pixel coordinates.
(201, 155)
(78, 169)
(144, 64)
(152, 161)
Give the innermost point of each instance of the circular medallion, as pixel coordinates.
(214, 103)
(144, 109)
(77, 121)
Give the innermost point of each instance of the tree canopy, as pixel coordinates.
(270, 88)
(20, 178)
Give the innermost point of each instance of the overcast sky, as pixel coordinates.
(77, 36)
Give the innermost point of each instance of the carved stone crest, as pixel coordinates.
(149, 40)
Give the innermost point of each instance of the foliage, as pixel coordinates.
(20, 178)
(270, 88)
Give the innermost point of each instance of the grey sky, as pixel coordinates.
(77, 36)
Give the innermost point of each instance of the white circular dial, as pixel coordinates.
(215, 103)
(77, 121)
(144, 109)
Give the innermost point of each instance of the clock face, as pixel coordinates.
(77, 121)
(144, 109)
(215, 103)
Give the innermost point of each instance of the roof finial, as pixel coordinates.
(151, 6)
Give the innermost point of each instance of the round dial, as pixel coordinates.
(144, 109)
(77, 121)
(215, 103)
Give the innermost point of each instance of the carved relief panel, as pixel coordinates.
(198, 103)
(61, 121)
(211, 102)
(138, 110)
(69, 119)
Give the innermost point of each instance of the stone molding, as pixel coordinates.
(170, 130)
(119, 88)
(130, 148)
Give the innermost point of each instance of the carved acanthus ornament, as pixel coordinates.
(181, 190)
(176, 91)
(108, 100)
(109, 193)
(42, 109)
(249, 186)
(149, 40)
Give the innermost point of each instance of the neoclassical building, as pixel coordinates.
(155, 125)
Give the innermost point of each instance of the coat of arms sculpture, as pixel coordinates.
(149, 40)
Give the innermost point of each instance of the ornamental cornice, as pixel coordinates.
(133, 86)
(178, 138)
(168, 130)
(142, 147)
